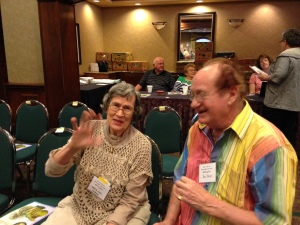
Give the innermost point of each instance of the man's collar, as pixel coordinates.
(240, 123)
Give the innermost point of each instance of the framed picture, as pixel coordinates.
(78, 44)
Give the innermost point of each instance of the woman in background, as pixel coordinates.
(282, 102)
(263, 62)
(189, 72)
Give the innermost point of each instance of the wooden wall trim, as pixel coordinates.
(18, 93)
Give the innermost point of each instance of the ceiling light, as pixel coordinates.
(137, 3)
(199, 1)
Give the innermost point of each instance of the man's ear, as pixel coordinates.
(233, 94)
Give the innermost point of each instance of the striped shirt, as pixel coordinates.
(255, 169)
(163, 81)
(180, 82)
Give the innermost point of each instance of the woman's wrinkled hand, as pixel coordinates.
(83, 134)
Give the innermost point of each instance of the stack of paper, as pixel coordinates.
(106, 81)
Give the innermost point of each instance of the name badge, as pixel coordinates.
(207, 173)
(99, 187)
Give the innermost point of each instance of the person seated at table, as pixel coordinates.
(110, 153)
(158, 77)
(263, 62)
(186, 54)
(189, 72)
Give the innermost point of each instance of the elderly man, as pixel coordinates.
(236, 167)
(158, 77)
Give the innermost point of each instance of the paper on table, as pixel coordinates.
(174, 93)
(29, 214)
(106, 81)
(145, 95)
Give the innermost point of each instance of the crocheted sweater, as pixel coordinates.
(122, 162)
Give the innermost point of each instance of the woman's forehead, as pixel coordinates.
(128, 98)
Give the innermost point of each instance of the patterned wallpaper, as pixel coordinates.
(129, 29)
(22, 41)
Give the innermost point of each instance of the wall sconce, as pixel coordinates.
(235, 22)
(159, 25)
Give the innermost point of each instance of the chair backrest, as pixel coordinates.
(155, 189)
(7, 163)
(163, 125)
(58, 186)
(32, 121)
(69, 110)
(5, 116)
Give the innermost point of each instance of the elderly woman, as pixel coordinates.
(113, 166)
(189, 72)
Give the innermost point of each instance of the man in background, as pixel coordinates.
(158, 77)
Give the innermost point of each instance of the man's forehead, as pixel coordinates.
(209, 71)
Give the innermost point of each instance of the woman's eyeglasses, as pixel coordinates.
(116, 107)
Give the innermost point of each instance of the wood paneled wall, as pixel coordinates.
(59, 51)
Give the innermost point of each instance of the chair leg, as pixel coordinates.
(28, 164)
(19, 171)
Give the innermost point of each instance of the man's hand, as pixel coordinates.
(194, 195)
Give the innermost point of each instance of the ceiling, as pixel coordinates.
(120, 3)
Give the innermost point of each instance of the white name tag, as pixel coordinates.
(99, 187)
(207, 173)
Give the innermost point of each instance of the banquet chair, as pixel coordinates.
(7, 170)
(49, 190)
(155, 189)
(163, 125)
(5, 116)
(69, 110)
(32, 121)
